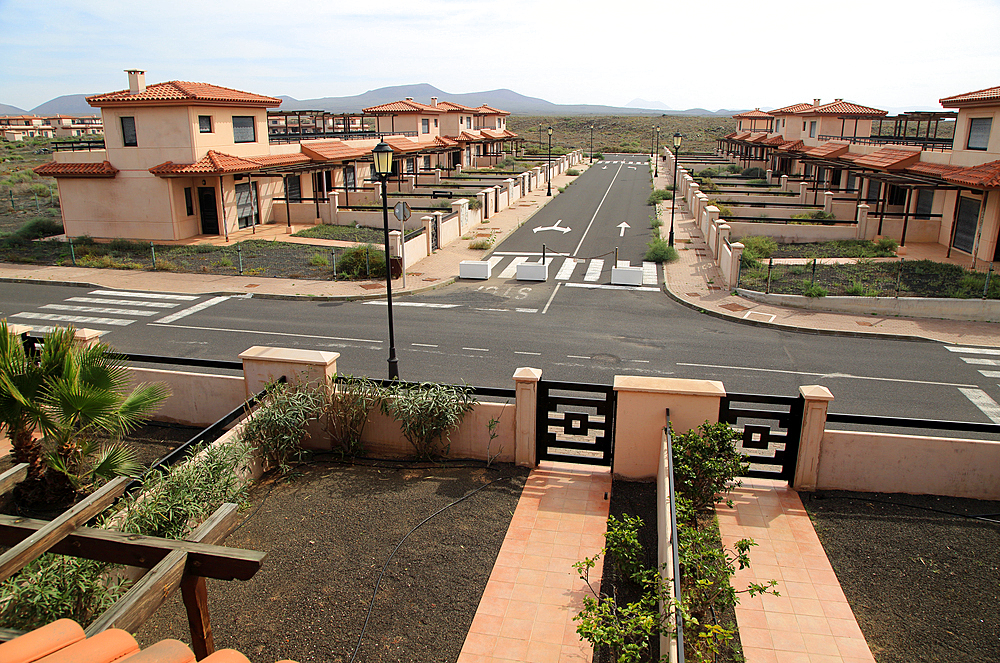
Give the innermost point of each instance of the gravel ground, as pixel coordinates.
(924, 585)
(328, 532)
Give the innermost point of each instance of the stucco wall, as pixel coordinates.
(792, 233)
(198, 399)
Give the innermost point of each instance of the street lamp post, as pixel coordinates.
(673, 200)
(383, 166)
(592, 143)
(539, 135)
(656, 164)
(550, 162)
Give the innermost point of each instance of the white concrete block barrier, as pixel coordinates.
(474, 269)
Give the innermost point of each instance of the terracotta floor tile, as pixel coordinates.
(592, 541)
(781, 621)
(814, 625)
(548, 632)
(498, 589)
(823, 577)
(521, 610)
(518, 629)
(768, 559)
(530, 577)
(571, 637)
(514, 547)
(800, 590)
(541, 549)
(543, 652)
(558, 565)
(825, 658)
(787, 641)
(774, 603)
(845, 628)
(820, 644)
(812, 607)
(756, 637)
(508, 559)
(524, 593)
(493, 605)
(863, 659)
(486, 624)
(795, 575)
(853, 647)
(554, 613)
(561, 580)
(830, 593)
(785, 547)
(758, 655)
(766, 572)
(554, 596)
(560, 551)
(785, 656)
(816, 562)
(510, 649)
(477, 643)
(542, 536)
(535, 562)
(575, 654)
(504, 573)
(469, 657)
(788, 559)
(782, 534)
(837, 610)
(751, 618)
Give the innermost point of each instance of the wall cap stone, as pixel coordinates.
(669, 386)
(815, 392)
(525, 374)
(288, 355)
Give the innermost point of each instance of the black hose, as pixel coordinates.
(984, 517)
(371, 604)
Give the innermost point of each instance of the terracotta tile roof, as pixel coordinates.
(983, 176)
(93, 169)
(338, 150)
(452, 106)
(444, 141)
(403, 145)
(213, 163)
(756, 113)
(183, 92)
(841, 107)
(757, 138)
(792, 146)
(742, 135)
(774, 141)
(934, 169)
(405, 106)
(63, 640)
(495, 134)
(985, 97)
(489, 110)
(829, 150)
(889, 158)
(728, 136)
(788, 110)
(469, 136)
(282, 159)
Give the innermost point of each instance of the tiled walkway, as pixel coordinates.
(526, 613)
(811, 621)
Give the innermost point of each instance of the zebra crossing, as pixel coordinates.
(986, 357)
(597, 270)
(114, 308)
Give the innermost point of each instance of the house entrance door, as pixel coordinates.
(209, 212)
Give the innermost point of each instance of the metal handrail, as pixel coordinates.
(927, 424)
(674, 545)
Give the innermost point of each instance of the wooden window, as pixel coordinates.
(129, 138)
(243, 129)
(205, 124)
(188, 201)
(979, 133)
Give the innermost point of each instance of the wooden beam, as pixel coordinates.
(210, 561)
(54, 531)
(145, 596)
(12, 477)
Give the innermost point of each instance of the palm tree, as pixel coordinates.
(73, 395)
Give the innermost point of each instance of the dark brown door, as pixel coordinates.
(209, 211)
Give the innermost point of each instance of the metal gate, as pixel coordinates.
(770, 434)
(435, 230)
(576, 422)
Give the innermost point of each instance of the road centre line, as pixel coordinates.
(828, 375)
(576, 357)
(551, 297)
(147, 295)
(267, 333)
(973, 351)
(987, 405)
(599, 205)
(477, 349)
(533, 354)
(424, 345)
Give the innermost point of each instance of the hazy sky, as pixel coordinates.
(724, 54)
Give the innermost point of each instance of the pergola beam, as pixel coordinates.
(13, 476)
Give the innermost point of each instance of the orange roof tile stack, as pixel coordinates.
(794, 108)
(337, 150)
(846, 108)
(183, 92)
(63, 641)
(987, 97)
(213, 163)
(829, 150)
(774, 141)
(889, 158)
(983, 176)
(792, 146)
(405, 106)
(94, 169)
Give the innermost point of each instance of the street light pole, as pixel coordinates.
(656, 164)
(673, 199)
(592, 143)
(539, 136)
(549, 168)
(383, 166)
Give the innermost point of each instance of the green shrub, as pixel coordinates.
(482, 244)
(361, 262)
(40, 189)
(655, 222)
(317, 260)
(810, 289)
(598, 156)
(427, 413)
(818, 215)
(858, 289)
(164, 265)
(349, 400)
(706, 463)
(40, 227)
(756, 182)
(659, 250)
(659, 195)
(224, 261)
(733, 168)
(707, 184)
(474, 203)
(278, 426)
(754, 172)
(887, 245)
(708, 172)
(758, 247)
(724, 211)
(572, 172)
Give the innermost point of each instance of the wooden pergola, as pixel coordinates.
(171, 563)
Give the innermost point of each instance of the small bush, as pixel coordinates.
(818, 215)
(706, 463)
(361, 262)
(813, 289)
(224, 261)
(708, 172)
(707, 184)
(427, 413)
(572, 172)
(346, 409)
(659, 195)
(733, 168)
(318, 260)
(40, 189)
(482, 244)
(40, 227)
(887, 245)
(474, 203)
(278, 426)
(598, 156)
(655, 222)
(659, 250)
(758, 247)
(164, 265)
(858, 289)
(754, 172)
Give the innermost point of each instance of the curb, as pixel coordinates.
(800, 330)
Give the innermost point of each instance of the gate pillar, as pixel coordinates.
(525, 425)
(817, 400)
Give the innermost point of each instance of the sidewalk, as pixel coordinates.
(692, 280)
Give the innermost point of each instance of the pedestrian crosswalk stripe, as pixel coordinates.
(192, 309)
(649, 273)
(982, 361)
(80, 319)
(147, 295)
(980, 399)
(973, 351)
(594, 270)
(566, 271)
(990, 374)
(121, 302)
(98, 309)
(382, 302)
(511, 269)
(494, 261)
(605, 286)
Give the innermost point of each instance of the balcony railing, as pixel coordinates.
(933, 144)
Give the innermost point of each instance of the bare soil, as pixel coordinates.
(922, 578)
(328, 530)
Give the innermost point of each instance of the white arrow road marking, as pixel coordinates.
(981, 400)
(623, 226)
(554, 226)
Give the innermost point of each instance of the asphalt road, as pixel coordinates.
(571, 328)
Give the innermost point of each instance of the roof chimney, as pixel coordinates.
(409, 98)
(136, 81)
(815, 102)
(835, 100)
(434, 101)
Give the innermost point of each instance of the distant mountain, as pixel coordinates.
(643, 103)
(68, 104)
(10, 110)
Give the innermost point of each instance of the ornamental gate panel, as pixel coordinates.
(770, 434)
(576, 422)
